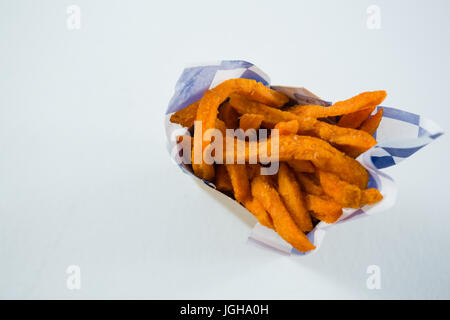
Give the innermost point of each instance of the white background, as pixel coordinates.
(85, 177)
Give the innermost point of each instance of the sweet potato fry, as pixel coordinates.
(323, 209)
(250, 121)
(185, 117)
(292, 198)
(287, 127)
(208, 108)
(309, 185)
(361, 101)
(307, 125)
(228, 115)
(319, 152)
(345, 194)
(370, 196)
(353, 120)
(257, 209)
(301, 166)
(371, 124)
(222, 179)
(239, 181)
(283, 222)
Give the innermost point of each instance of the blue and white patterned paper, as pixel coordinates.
(399, 135)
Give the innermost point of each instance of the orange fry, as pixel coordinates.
(282, 220)
(250, 121)
(257, 209)
(323, 209)
(223, 182)
(361, 101)
(346, 194)
(287, 127)
(370, 196)
(292, 197)
(301, 166)
(353, 120)
(239, 181)
(185, 117)
(371, 124)
(253, 170)
(309, 184)
(208, 108)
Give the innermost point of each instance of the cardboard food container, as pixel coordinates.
(399, 135)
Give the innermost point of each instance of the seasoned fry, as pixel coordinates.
(253, 170)
(319, 152)
(283, 222)
(301, 166)
(353, 120)
(257, 209)
(346, 194)
(371, 124)
(323, 209)
(223, 182)
(239, 181)
(309, 185)
(370, 196)
(292, 198)
(287, 127)
(186, 117)
(250, 121)
(361, 101)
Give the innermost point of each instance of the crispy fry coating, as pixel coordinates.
(287, 127)
(301, 166)
(257, 209)
(208, 109)
(361, 101)
(370, 196)
(371, 124)
(239, 181)
(319, 152)
(283, 222)
(306, 125)
(253, 170)
(353, 120)
(346, 194)
(186, 117)
(250, 121)
(292, 198)
(309, 185)
(323, 209)
(222, 179)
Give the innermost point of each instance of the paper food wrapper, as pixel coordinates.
(399, 136)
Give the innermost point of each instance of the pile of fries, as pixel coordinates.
(318, 175)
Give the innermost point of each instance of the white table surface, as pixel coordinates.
(85, 178)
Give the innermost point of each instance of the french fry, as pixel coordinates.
(371, 124)
(370, 196)
(289, 191)
(186, 117)
(301, 166)
(257, 209)
(250, 121)
(253, 170)
(239, 181)
(355, 119)
(345, 194)
(283, 222)
(309, 185)
(361, 101)
(323, 209)
(287, 127)
(222, 179)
